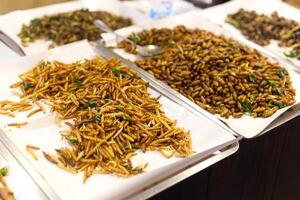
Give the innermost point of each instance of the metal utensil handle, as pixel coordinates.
(101, 25)
(10, 43)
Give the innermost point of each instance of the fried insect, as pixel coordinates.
(219, 74)
(64, 28)
(112, 111)
(263, 28)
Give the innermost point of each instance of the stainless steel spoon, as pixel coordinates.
(146, 51)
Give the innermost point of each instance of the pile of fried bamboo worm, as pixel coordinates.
(113, 115)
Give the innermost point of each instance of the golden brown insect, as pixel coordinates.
(30, 149)
(34, 112)
(18, 125)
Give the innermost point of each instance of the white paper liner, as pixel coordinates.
(246, 126)
(11, 23)
(219, 13)
(44, 133)
(6, 53)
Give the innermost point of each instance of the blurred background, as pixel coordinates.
(10, 5)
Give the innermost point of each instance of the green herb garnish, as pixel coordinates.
(134, 38)
(126, 146)
(281, 72)
(58, 150)
(278, 90)
(277, 103)
(252, 78)
(125, 75)
(233, 22)
(106, 98)
(35, 22)
(232, 46)
(90, 104)
(280, 104)
(78, 82)
(27, 86)
(246, 107)
(72, 140)
(270, 84)
(97, 118)
(44, 63)
(116, 71)
(4, 171)
(127, 118)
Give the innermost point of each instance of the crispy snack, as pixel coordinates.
(30, 149)
(34, 112)
(5, 192)
(18, 125)
(218, 74)
(112, 111)
(262, 28)
(64, 28)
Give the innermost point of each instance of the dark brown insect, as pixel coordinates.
(263, 28)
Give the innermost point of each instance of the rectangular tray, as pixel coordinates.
(37, 187)
(246, 126)
(208, 138)
(219, 13)
(11, 23)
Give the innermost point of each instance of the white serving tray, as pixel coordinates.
(246, 126)
(211, 141)
(11, 23)
(37, 188)
(219, 13)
